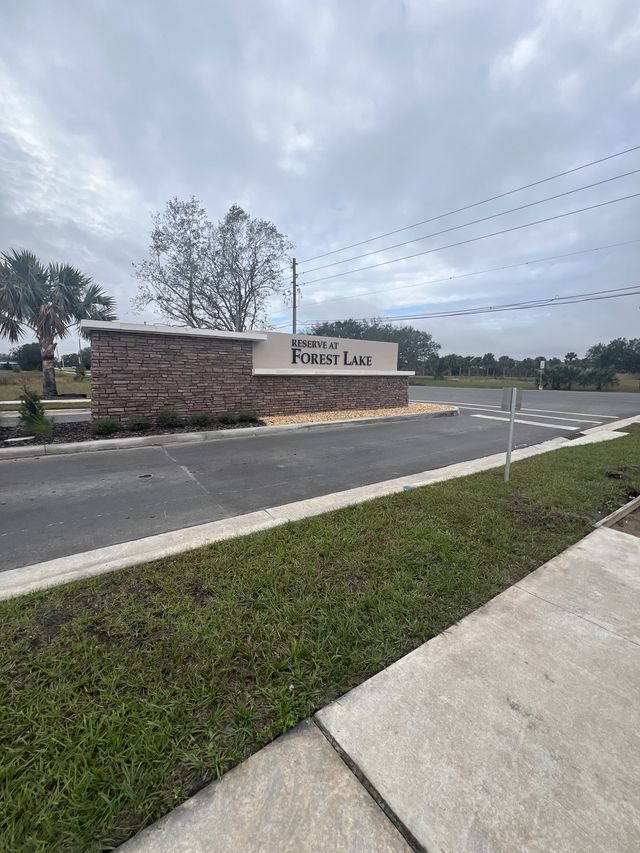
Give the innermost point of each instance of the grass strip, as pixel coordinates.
(12, 384)
(627, 382)
(123, 695)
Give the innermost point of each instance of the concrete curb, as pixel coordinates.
(621, 424)
(208, 435)
(15, 582)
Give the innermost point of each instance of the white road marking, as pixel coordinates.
(458, 403)
(491, 406)
(478, 409)
(585, 414)
(558, 418)
(530, 423)
(529, 412)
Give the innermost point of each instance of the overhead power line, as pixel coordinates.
(476, 272)
(474, 221)
(475, 239)
(475, 204)
(572, 299)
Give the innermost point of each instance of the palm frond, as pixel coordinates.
(96, 304)
(26, 267)
(10, 328)
(50, 300)
(67, 277)
(23, 283)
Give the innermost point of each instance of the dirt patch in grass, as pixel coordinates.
(51, 622)
(624, 472)
(524, 507)
(629, 524)
(200, 594)
(102, 636)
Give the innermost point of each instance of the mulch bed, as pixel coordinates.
(64, 433)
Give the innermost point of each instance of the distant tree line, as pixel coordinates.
(29, 357)
(73, 359)
(418, 351)
(598, 368)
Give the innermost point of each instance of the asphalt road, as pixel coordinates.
(51, 507)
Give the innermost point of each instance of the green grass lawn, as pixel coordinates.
(627, 382)
(123, 695)
(11, 384)
(471, 382)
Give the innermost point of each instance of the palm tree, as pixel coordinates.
(48, 300)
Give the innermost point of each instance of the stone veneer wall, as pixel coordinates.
(141, 374)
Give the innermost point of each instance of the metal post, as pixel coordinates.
(512, 419)
(294, 281)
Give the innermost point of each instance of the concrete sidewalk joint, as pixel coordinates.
(373, 792)
(15, 582)
(293, 796)
(206, 435)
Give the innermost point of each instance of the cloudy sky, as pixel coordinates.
(339, 121)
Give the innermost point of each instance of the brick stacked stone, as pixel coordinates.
(142, 374)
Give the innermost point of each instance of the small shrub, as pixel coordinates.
(138, 423)
(32, 416)
(168, 418)
(247, 417)
(200, 419)
(80, 372)
(228, 418)
(104, 426)
(31, 411)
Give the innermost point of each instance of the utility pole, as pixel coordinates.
(294, 282)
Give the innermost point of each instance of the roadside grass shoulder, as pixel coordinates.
(11, 384)
(125, 694)
(472, 382)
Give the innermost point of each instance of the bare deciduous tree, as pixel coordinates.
(176, 271)
(211, 276)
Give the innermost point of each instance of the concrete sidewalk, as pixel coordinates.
(515, 730)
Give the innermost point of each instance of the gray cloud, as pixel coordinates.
(338, 121)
